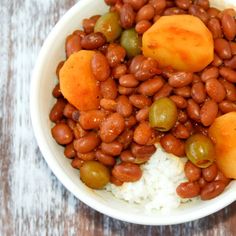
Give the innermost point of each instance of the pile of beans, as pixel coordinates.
(120, 129)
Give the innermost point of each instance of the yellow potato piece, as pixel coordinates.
(223, 134)
(77, 82)
(182, 42)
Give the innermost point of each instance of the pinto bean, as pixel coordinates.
(165, 91)
(182, 116)
(140, 101)
(108, 104)
(87, 143)
(136, 4)
(228, 26)
(77, 163)
(108, 89)
(210, 73)
(192, 172)
(127, 16)
(127, 172)
(136, 63)
(113, 149)
(217, 61)
(79, 132)
(193, 110)
(179, 101)
(228, 74)
(125, 91)
(172, 145)
(147, 12)
(180, 79)
(56, 91)
(69, 151)
(212, 190)
(202, 3)
(231, 63)
(124, 106)
(208, 112)
(142, 26)
(199, 12)
(183, 4)
(183, 92)
(142, 114)
(210, 173)
(215, 90)
(119, 70)
(130, 121)
(222, 48)
(181, 132)
(142, 151)
(227, 106)
(86, 156)
(105, 159)
(115, 54)
(213, 12)
(100, 66)
(230, 90)
(173, 11)
(188, 189)
(128, 81)
(93, 41)
(159, 5)
(73, 44)
(127, 156)
(126, 138)
(68, 110)
(142, 133)
(233, 47)
(112, 127)
(56, 113)
(62, 133)
(198, 92)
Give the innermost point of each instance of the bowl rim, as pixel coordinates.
(62, 176)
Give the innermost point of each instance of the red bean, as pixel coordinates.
(59, 66)
(231, 63)
(142, 133)
(127, 16)
(180, 79)
(213, 12)
(108, 89)
(69, 151)
(215, 90)
(210, 73)
(112, 127)
(227, 106)
(124, 107)
(68, 110)
(119, 70)
(165, 91)
(136, 63)
(228, 74)
(128, 81)
(147, 12)
(159, 5)
(202, 3)
(127, 156)
(86, 156)
(56, 91)
(136, 4)
(62, 133)
(222, 48)
(87, 143)
(183, 4)
(140, 101)
(212, 190)
(56, 113)
(77, 163)
(179, 101)
(100, 66)
(142, 151)
(183, 92)
(208, 112)
(181, 132)
(210, 173)
(113, 149)
(73, 44)
(115, 54)
(105, 158)
(198, 92)
(108, 104)
(233, 47)
(199, 12)
(192, 172)
(172, 145)
(130, 121)
(217, 61)
(173, 11)
(142, 26)
(228, 26)
(126, 138)
(188, 190)
(142, 114)
(125, 91)
(230, 90)
(193, 110)
(93, 41)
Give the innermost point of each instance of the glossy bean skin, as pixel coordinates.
(147, 12)
(215, 28)
(127, 156)
(180, 79)
(91, 119)
(126, 138)
(127, 172)
(142, 151)
(124, 106)
(208, 112)
(73, 44)
(142, 26)
(193, 110)
(173, 11)
(217, 61)
(62, 133)
(192, 172)
(215, 90)
(105, 159)
(199, 12)
(119, 70)
(130, 121)
(220, 176)
(183, 92)
(151, 86)
(165, 91)
(142, 133)
(198, 92)
(159, 5)
(213, 12)
(179, 101)
(142, 114)
(181, 132)
(233, 47)
(86, 156)
(227, 106)
(68, 110)
(78, 131)
(115, 181)
(87, 143)
(230, 90)
(108, 89)
(113, 149)
(112, 127)
(135, 64)
(231, 63)
(115, 54)
(100, 67)
(77, 163)
(140, 101)
(128, 81)
(188, 190)
(110, 2)
(56, 112)
(93, 41)
(182, 116)
(183, 4)
(228, 26)
(127, 16)
(59, 66)
(136, 4)
(125, 91)
(172, 145)
(228, 74)
(210, 173)
(210, 73)
(222, 48)
(108, 104)
(69, 151)
(88, 25)
(212, 190)
(56, 91)
(202, 3)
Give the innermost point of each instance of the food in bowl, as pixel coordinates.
(115, 106)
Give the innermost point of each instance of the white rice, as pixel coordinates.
(157, 187)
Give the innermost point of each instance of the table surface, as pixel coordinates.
(32, 200)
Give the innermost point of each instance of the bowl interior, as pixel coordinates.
(44, 80)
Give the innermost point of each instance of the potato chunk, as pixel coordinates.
(223, 134)
(77, 82)
(182, 42)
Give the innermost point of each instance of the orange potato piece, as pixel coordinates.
(77, 82)
(223, 134)
(182, 42)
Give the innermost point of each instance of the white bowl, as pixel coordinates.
(43, 82)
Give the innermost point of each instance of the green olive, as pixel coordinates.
(131, 42)
(109, 25)
(163, 114)
(94, 174)
(200, 150)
